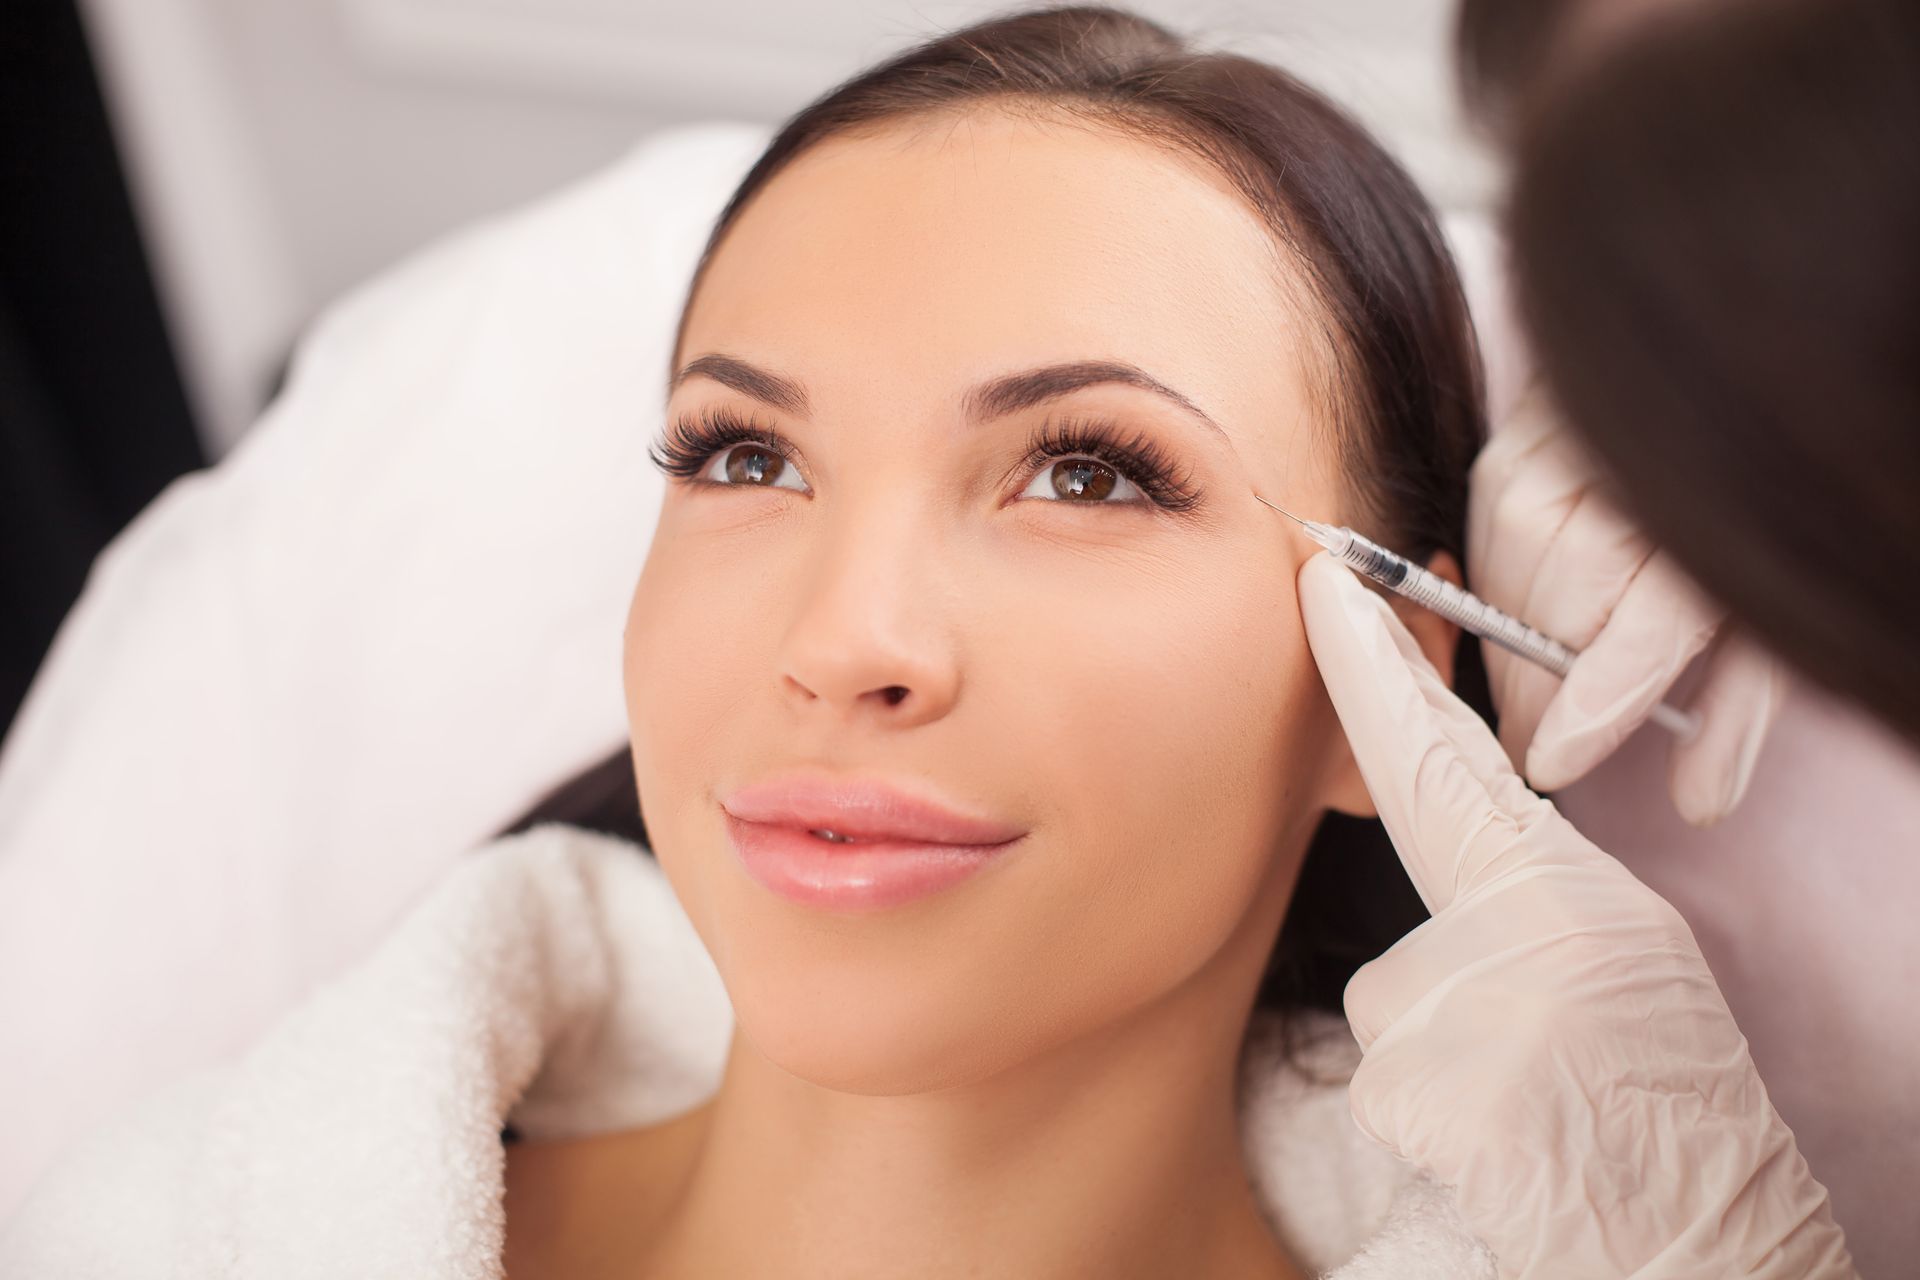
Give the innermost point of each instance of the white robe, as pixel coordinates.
(553, 982)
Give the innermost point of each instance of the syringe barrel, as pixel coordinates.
(1365, 556)
(1465, 610)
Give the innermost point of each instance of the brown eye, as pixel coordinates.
(752, 464)
(1083, 479)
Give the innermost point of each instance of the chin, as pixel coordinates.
(872, 1028)
(884, 1003)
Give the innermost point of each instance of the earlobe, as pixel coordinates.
(1439, 640)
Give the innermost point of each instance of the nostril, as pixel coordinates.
(893, 693)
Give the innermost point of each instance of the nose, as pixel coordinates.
(870, 637)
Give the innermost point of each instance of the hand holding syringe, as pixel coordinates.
(1547, 977)
(1462, 608)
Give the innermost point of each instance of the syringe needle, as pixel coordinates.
(1282, 510)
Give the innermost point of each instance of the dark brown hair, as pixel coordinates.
(1716, 238)
(1499, 48)
(1406, 395)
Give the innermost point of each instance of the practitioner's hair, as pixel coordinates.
(1500, 47)
(1402, 386)
(1715, 224)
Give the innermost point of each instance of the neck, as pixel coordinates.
(1117, 1154)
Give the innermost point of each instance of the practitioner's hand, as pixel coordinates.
(1551, 1043)
(1543, 545)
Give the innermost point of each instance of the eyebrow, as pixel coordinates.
(995, 398)
(768, 388)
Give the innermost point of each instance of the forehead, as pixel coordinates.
(931, 253)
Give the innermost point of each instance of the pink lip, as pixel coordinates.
(903, 846)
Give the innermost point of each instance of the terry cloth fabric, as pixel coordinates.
(552, 982)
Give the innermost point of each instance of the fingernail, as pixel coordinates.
(1748, 756)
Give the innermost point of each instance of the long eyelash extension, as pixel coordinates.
(689, 442)
(1138, 457)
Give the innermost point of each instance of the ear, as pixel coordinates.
(1439, 640)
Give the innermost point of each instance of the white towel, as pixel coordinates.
(553, 982)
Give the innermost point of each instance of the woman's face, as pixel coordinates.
(1125, 682)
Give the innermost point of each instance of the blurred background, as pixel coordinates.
(188, 182)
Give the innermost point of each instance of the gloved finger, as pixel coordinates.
(1737, 705)
(1521, 489)
(1511, 447)
(1532, 517)
(1445, 791)
(1656, 629)
(1591, 565)
(1509, 920)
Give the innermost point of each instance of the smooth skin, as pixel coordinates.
(1031, 1073)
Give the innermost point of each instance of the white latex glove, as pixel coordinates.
(1543, 545)
(1551, 1042)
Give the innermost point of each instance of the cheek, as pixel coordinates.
(692, 646)
(701, 628)
(695, 660)
(1178, 726)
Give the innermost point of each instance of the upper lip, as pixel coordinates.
(862, 808)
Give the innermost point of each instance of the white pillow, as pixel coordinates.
(302, 682)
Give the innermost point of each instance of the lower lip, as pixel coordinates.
(861, 875)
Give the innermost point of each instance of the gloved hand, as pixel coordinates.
(1551, 1042)
(1543, 545)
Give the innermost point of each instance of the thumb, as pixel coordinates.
(1657, 627)
(1445, 790)
(1744, 689)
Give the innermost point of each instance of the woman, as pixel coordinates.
(973, 390)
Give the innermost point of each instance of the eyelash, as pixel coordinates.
(689, 443)
(1137, 457)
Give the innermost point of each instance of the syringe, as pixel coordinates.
(1462, 608)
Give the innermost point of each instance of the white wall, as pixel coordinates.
(281, 150)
